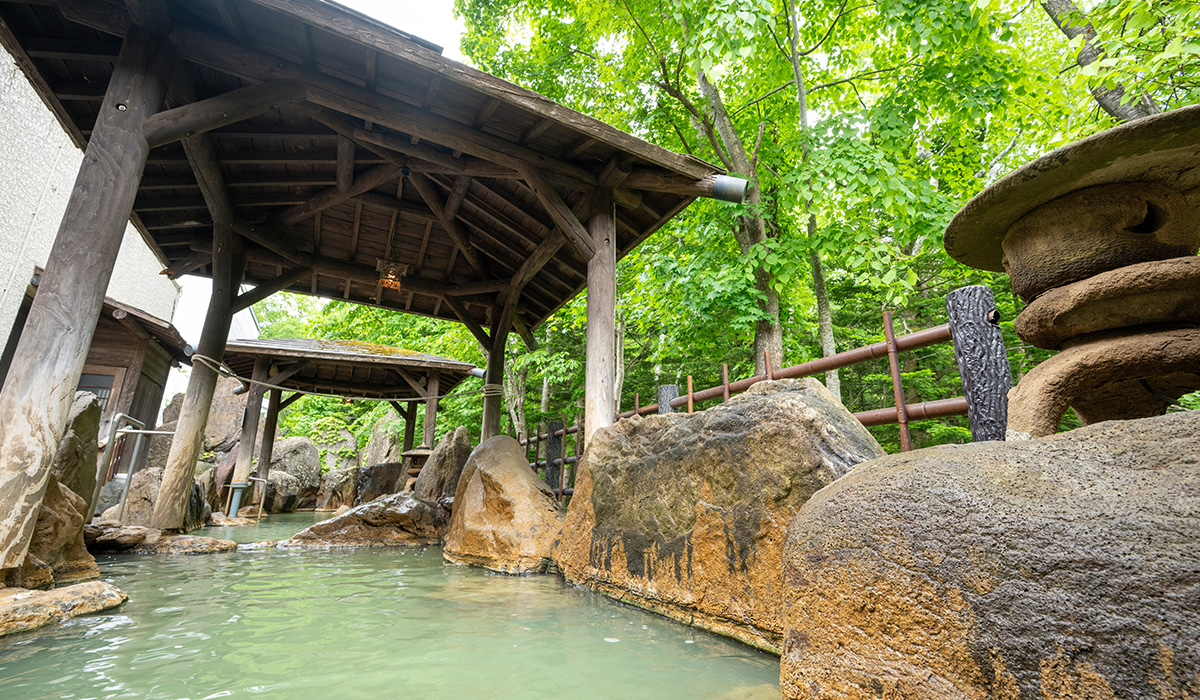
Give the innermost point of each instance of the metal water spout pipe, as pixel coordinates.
(730, 189)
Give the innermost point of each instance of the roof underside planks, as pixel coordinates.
(390, 152)
(347, 368)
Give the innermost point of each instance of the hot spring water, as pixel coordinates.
(384, 623)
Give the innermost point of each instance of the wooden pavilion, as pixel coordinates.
(294, 144)
(352, 369)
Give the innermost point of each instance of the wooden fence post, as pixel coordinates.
(982, 360)
(555, 453)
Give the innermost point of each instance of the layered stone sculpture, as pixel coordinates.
(1100, 238)
(1059, 568)
(685, 515)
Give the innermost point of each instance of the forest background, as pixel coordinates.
(864, 124)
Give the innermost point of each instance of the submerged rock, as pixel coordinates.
(504, 517)
(57, 553)
(377, 480)
(184, 544)
(1060, 568)
(338, 488)
(686, 514)
(22, 610)
(396, 520)
(113, 537)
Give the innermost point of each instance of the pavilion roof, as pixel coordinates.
(348, 368)
(369, 146)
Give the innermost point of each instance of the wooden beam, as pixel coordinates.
(282, 375)
(188, 264)
(333, 196)
(296, 396)
(265, 453)
(435, 203)
(412, 381)
(149, 14)
(250, 419)
(525, 332)
(222, 110)
(472, 325)
(52, 349)
(431, 407)
(493, 405)
(410, 424)
(559, 211)
(345, 163)
(538, 259)
(265, 289)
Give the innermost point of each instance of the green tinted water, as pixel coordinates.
(366, 624)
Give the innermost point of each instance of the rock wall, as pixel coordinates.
(1062, 568)
(377, 480)
(504, 518)
(438, 479)
(57, 554)
(686, 514)
(298, 457)
(338, 488)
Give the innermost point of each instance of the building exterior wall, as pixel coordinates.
(39, 162)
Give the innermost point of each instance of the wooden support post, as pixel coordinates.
(265, 453)
(897, 384)
(768, 365)
(982, 360)
(600, 362)
(554, 457)
(691, 400)
(410, 425)
(250, 418)
(493, 403)
(666, 392)
(431, 407)
(725, 382)
(49, 358)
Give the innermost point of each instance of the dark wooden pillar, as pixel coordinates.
(599, 402)
(178, 475)
(270, 424)
(493, 401)
(982, 360)
(431, 407)
(62, 319)
(250, 419)
(410, 424)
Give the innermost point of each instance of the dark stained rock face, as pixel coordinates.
(377, 480)
(504, 517)
(396, 520)
(1060, 568)
(298, 456)
(338, 488)
(143, 492)
(282, 493)
(57, 553)
(686, 514)
(75, 462)
(158, 447)
(224, 426)
(113, 537)
(22, 610)
(439, 477)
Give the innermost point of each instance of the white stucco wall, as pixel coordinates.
(39, 163)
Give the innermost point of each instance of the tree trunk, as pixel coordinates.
(768, 333)
(1067, 16)
(514, 400)
(824, 310)
(619, 366)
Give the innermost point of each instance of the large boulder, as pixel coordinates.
(158, 447)
(504, 517)
(439, 477)
(75, 462)
(224, 427)
(386, 442)
(105, 537)
(173, 408)
(398, 520)
(57, 553)
(282, 493)
(298, 456)
(377, 480)
(207, 479)
(1059, 568)
(686, 514)
(336, 445)
(338, 488)
(198, 512)
(22, 610)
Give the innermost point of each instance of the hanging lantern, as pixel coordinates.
(390, 273)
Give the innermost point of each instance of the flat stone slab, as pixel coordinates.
(22, 609)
